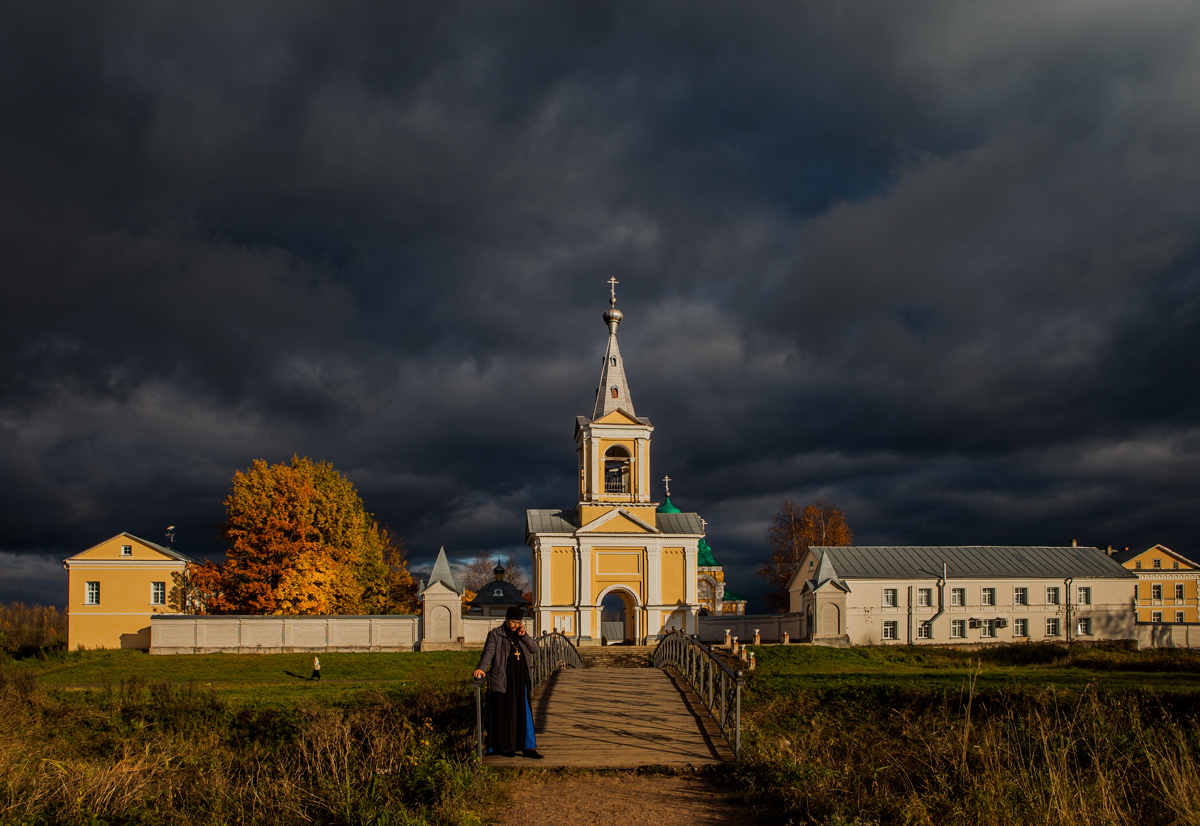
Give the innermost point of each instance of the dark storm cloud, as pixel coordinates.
(935, 264)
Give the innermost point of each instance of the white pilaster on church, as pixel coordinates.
(643, 452)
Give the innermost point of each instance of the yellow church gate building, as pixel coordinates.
(615, 540)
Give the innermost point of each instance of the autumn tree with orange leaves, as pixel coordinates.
(793, 530)
(299, 541)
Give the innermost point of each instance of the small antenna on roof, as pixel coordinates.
(171, 537)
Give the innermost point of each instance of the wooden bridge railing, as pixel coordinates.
(554, 651)
(718, 685)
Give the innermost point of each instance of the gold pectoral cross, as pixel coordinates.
(516, 653)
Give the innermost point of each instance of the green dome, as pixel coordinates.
(705, 558)
(667, 507)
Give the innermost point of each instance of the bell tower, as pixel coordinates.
(613, 446)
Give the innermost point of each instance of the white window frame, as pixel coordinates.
(987, 596)
(126, 550)
(1083, 628)
(1053, 627)
(158, 593)
(891, 597)
(1021, 627)
(924, 597)
(1020, 596)
(987, 628)
(1053, 595)
(91, 593)
(891, 630)
(1156, 591)
(924, 630)
(1179, 615)
(958, 629)
(958, 597)
(1179, 590)
(1158, 564)
(1084, 595)
(1156, 616)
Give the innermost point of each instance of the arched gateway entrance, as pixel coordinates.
(614, 601)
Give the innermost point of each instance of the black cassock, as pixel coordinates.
(510, 717)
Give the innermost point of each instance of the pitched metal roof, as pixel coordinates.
(442, 573)
(612, 376)
(160, 548)
(509, 594)
(678, 523)
(550, 521)
(971, 562)
(730, 596)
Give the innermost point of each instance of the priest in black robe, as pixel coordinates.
(508, 657)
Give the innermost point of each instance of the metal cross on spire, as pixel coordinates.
(667, 482)
(612, 286)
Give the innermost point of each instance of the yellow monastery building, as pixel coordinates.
(113, 589)
(1167, 584)
(615, 540)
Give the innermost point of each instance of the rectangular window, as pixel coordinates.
(987, 628)
(126, 550)
(1138, 564)
(1155, 592)
(1179, 591)
(958, 596)
(924, 597)
(1179, 616)
(1021, 628)
(924, 630)
(987, 596)
(1052, 596)
(1084, 628)
(91, 593)
(1156, 616)
(1052, 626)
(1085, 596)
(1020, 596)
(1157, 564)
(958, 628)
(889, 597)
(1175, 564)
(158, 593)
(889, 629)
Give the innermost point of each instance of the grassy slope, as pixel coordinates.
(275, 679)
(1021, 666)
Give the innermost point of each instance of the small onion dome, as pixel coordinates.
(612, 316)
(667, 507)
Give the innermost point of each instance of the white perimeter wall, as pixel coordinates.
(770, 627)
(188, 634)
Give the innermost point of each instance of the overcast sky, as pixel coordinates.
(936, 263)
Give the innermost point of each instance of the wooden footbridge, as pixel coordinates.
(674, 704)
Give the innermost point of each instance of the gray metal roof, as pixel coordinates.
(509, 594)
(612, 377)
(442, 573)
(971, 562)
(550, 521)
(678, 523)
(557, 521)
(168, 551)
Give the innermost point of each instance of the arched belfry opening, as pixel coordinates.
(616, 470)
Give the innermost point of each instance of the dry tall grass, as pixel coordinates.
(997, 759)
(177, 754)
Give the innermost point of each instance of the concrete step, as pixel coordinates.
(617, 656)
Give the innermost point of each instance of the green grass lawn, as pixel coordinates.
(272, 679)
(1013, 667)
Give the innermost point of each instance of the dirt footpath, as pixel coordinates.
(660, 800)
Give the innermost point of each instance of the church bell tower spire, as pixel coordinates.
(613, 391)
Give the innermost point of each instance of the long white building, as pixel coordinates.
(875, 595)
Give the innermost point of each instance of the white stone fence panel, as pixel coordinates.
(238, 634)
(1168, 635)
(771, 627)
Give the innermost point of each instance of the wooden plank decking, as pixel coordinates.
(620, 718)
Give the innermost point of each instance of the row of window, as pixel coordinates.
(987, 596)
(158, 593)
(1157, 616)
(1157, 564)
(987, 628)
(1156, 591)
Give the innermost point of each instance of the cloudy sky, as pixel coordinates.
(938, 263)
